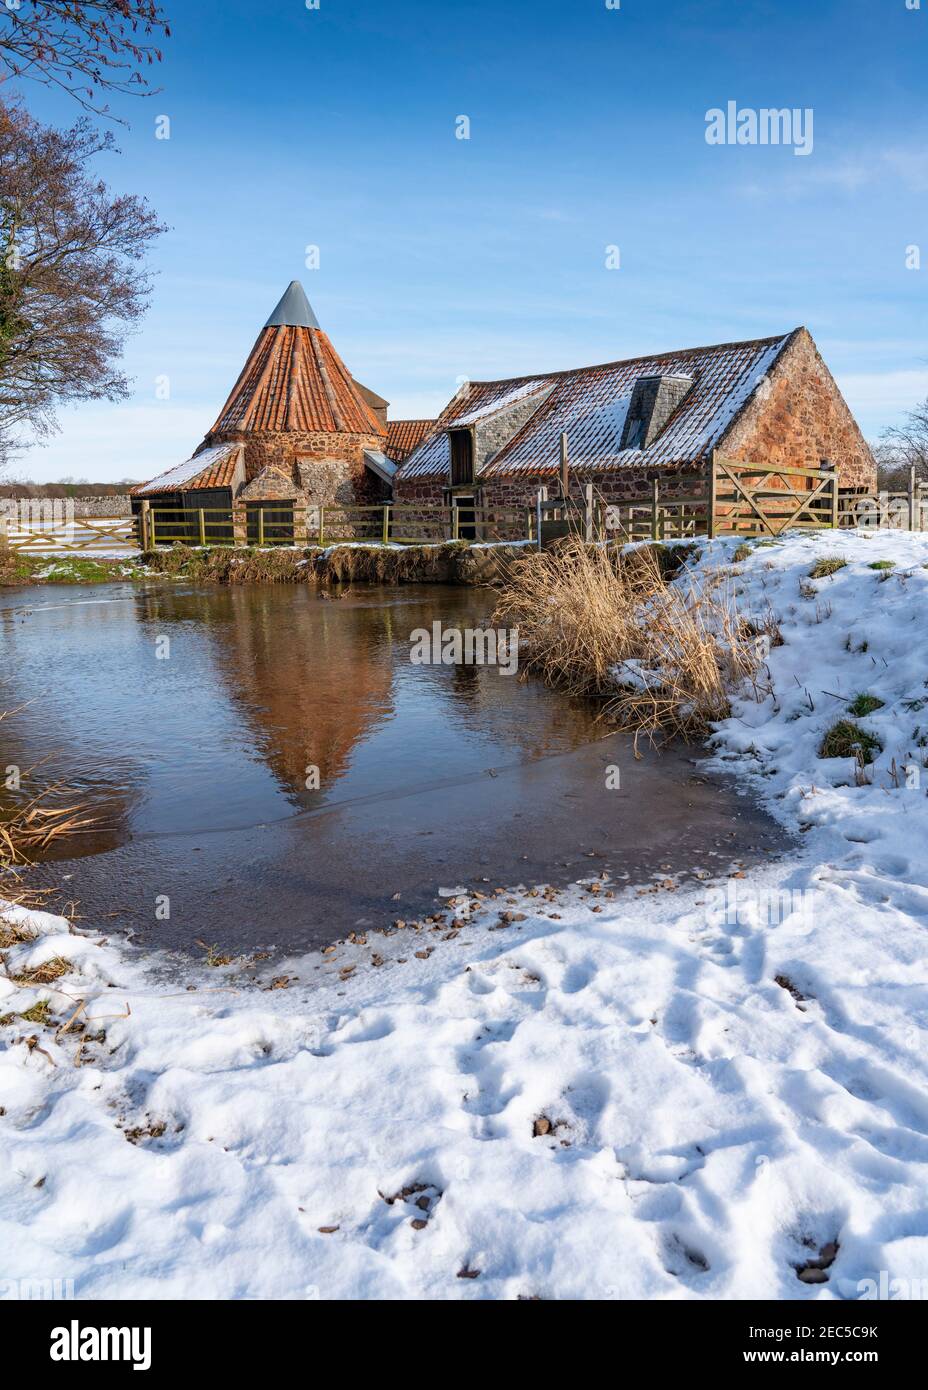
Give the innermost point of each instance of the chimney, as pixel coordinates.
(654, 400)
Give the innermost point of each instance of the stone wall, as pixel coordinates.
(520, 491)
(119, 505)
(493, 432)
(617, 485)
(428, 491)
(329, 467)
(800, 418)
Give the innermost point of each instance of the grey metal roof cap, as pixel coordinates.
(294, 310)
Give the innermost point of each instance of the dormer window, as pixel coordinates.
(654, 400)
(461, 444)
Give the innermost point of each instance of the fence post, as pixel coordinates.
(655, 509)
(153, 537)
(912, 526)
(321, 526)
(835, 519)
(202, 527)
(588, 509)
(260, 525)
(455, 519)
(4, 529)
(710, 518)
(385, 532)
(144, 519)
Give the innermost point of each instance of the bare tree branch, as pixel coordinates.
(903, 447)
(85, 47)
(72, 282)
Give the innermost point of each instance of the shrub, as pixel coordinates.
(882, 565)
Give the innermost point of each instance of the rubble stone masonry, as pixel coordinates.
(800, 418)
(329, 467)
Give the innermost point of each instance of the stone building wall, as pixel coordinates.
(521, 490)
(799, 418)
(496, 430)
(329, 467)
(428, 491)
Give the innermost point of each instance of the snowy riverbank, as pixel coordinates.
(720, 1092)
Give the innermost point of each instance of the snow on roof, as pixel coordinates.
(379, 464)
(517, 392)
(218, 463)
(590, 404)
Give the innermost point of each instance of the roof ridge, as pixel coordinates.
(642, 357)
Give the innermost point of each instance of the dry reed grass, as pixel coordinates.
(45, 974)
(36, 824)
(369, 563)
(594, 620)
(14, 933)
(47, 816)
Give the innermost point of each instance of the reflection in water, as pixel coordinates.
(310, 687)
(197, 764)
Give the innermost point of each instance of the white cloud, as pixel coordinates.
(849, 173)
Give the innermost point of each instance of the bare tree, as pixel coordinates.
(72, 282)
(85, 47)
(903, 447)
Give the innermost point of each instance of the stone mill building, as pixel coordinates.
(296, 431)
(299, 431)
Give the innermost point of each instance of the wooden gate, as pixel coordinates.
(85, 535)
(755, 499)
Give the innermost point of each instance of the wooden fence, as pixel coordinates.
(737, 498)
(389, 524)
(731, 497)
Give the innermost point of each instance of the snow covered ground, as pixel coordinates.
(682, 1092)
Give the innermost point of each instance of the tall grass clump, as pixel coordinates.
(594, 620)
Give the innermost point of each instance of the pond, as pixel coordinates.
(268, 768)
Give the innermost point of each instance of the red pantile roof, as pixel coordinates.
(590, 404)
(403, 436)
(210, 468)
(295, 380)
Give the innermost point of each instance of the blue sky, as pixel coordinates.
(442, 258)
